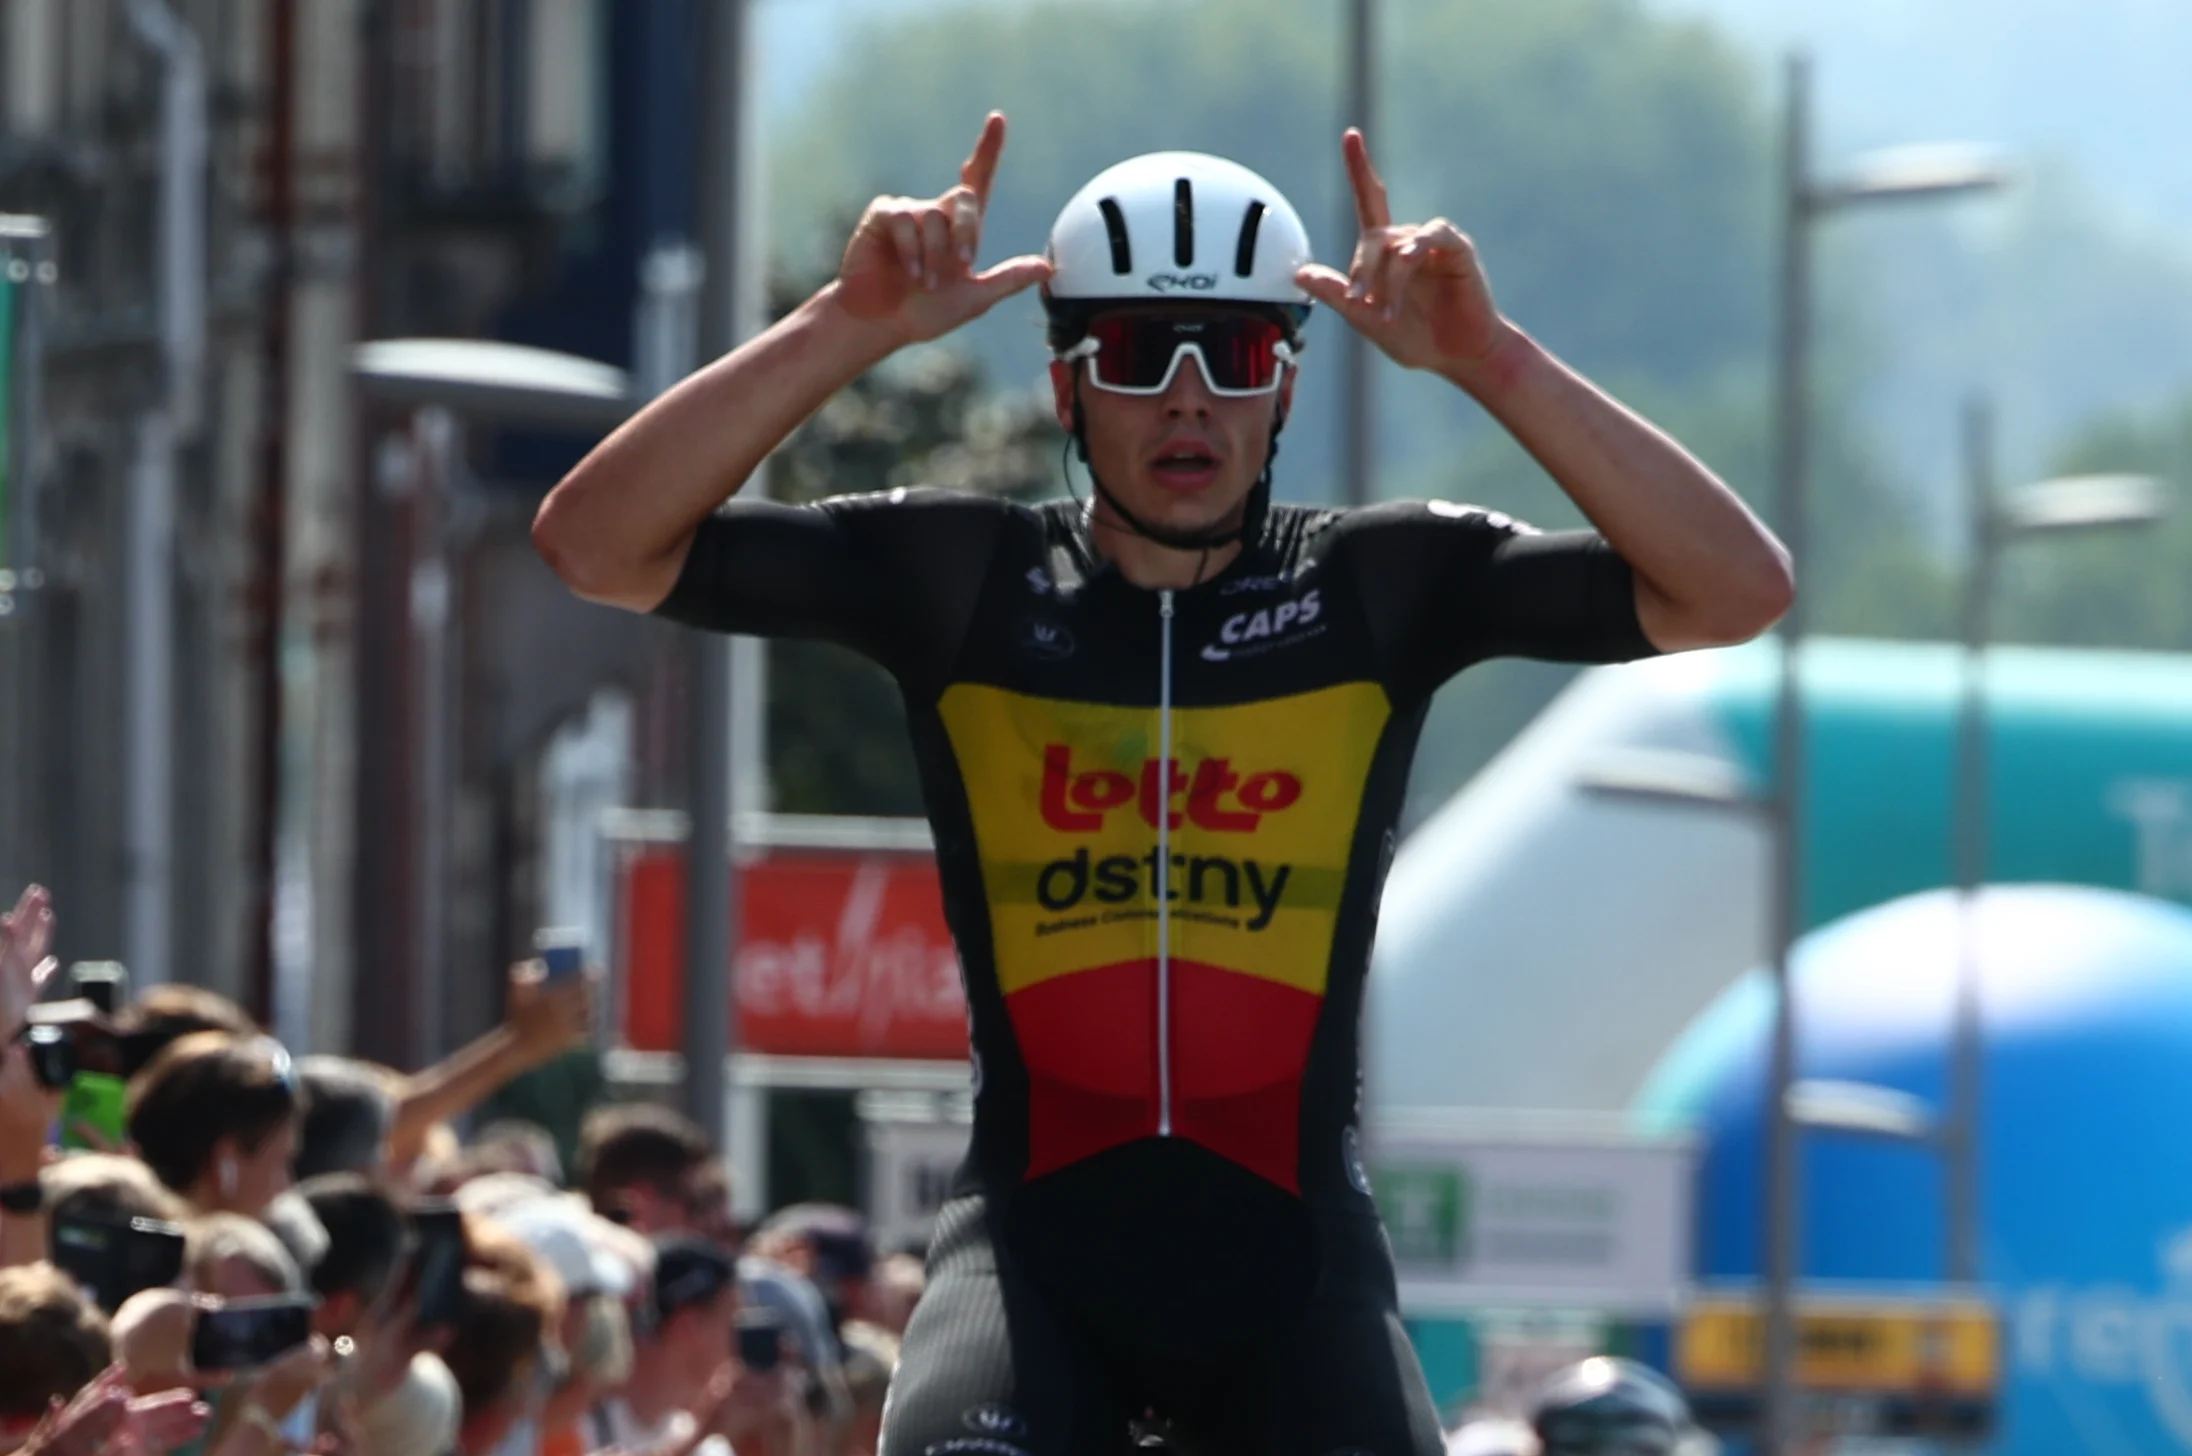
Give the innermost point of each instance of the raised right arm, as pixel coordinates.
(618, 528)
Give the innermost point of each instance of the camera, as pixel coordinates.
(67, 1037)
(116, 1258)
(243, 1334)
(433, 1280)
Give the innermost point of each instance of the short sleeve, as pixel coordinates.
(882, 574)
(1449, 585)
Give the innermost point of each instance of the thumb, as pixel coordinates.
(1009, 277)
(1326, 285)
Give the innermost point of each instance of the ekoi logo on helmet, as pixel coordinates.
(1219, 797)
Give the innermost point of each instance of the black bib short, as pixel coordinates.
(1162, 821)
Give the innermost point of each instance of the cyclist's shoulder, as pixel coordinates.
(918, 502)
(1434, 517)
(1405, 536)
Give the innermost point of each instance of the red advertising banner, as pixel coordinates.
(841, 955)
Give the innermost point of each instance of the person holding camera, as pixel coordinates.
(690, 1393)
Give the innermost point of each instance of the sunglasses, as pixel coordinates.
(1138, 353)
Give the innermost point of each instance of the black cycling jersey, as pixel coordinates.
(1162, 822)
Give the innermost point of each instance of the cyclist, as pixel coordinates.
(1163, 739)
(1608, 1406)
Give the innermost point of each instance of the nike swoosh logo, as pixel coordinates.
(1215, 653)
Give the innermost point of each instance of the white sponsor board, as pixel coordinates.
(910, 1168)
(1486, 1218)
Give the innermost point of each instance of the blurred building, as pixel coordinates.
(367, 662)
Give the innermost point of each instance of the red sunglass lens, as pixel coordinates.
(1136, 351)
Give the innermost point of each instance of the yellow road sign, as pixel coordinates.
(1887, 1347)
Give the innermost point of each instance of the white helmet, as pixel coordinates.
(1178, 226)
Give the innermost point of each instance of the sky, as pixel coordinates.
(2085, 95)
(2094, 84)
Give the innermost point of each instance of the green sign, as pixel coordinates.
(1426, 1212)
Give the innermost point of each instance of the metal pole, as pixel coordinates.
(711, 903)
(26, 272)
(1965, 1076)
(1358, 406)
(434, 462)
(1783, 1189)
(149, 732)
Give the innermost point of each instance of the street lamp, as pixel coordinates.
(1900, 174)
(2060, 506)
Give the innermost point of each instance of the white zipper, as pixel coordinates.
(1163, 878)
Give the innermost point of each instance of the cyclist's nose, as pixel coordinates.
(1189, 392)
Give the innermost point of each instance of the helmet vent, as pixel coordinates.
(1183, 223)
(1122, 248)
(1244, 256)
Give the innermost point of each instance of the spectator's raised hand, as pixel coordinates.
(548, 1017)
(25, 935)
(158, 1424)
(87, 1425)
(27, 1110)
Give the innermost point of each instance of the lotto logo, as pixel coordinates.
(1219, 798)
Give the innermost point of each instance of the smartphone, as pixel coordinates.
(243, 1334)
(113, 1258)
(434, 1280)
(105, 984)
(760, 1339)
(52, 1051)
(95, 1114)
(562, 951)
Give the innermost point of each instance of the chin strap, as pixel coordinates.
(1253, 511)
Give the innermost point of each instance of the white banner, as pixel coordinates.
(1483, 1221)
(910, 1167)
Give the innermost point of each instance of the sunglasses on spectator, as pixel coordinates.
(1240, 354)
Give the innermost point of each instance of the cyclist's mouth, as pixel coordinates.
(1184, 467)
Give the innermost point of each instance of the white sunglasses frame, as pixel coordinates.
(1090, 349)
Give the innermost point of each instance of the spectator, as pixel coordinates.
(871, 1357)
(163, 1015)
(237, 1258)
(349, 1113)
(108, 1186)
(421, 1416)
(515, 1146)
(811, 1348)
(894, 1290)
(53, 1341)
(504, 1351)
(686, 1389)
(829, 1245)
(644, 1166)
(215, 1117)
(576, 1244)
(365, 1233)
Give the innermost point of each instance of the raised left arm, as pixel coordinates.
(1708, 572)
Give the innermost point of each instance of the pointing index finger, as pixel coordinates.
(1371, 208)
(980, 169)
